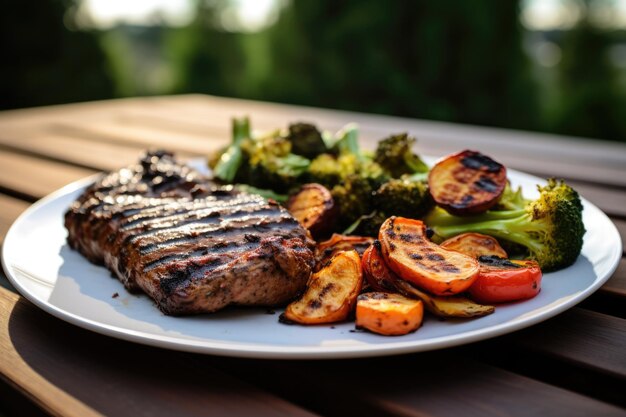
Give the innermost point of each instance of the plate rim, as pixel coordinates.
(240, 349)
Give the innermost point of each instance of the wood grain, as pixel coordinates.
(36, 177)
(63, 368)
(585, 338)
(425, 384)
(10, 208)
(616, 285)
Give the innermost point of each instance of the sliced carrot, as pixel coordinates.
(408, 252)
(375, 272)
(388, 314)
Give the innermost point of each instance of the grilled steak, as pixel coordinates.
(191, 245)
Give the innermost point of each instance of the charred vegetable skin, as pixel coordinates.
(388, 314)
(467, 183)
(549, 228)
(408, 252)
(339, 243)
(502, 280)
(381, 278)
(314, 208)
(475, 245)
(331, 293)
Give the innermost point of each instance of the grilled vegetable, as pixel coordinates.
(395, 155)
(403, 197)
(454, 306)
(408, 252)
(549, 228)
(475, 245)
(375, 271)
(338, 243)
(331, 293)
(388, 314)
(502, 280)
(467, 183)
(313, 206)
(306, 140)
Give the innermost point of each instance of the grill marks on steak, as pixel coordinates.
(193, 247)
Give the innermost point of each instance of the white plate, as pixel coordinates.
(60, 281)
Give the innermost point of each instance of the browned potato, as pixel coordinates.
(338, 243)
(475, 245)
(455, 306)
(314, 208)
(331, 293)
(467, 182)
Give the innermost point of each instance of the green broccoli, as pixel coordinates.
(353, 198)
(403, 197)
(550, 228)
(329, 170)
(306, 140)
(230, 160)
(395, 155)
(271, 165)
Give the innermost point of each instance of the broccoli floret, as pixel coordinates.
(511, 200)
(271, 165)
(329, 170)
(550, 228)
(395, 155)
(353, 198)
(403, 197)
(306, 140)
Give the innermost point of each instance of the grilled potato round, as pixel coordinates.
(314, 208)
(467, 183)
(475, 245)
(331, 293)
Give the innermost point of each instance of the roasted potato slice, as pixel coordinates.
(408, 252)
(314, 208)
(467, 182)
(338, 243)
(454, 306)
(331, 293)
(388, 314)
(375, 272)
(475, 245)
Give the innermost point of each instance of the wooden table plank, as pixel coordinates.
(616, 285)
(581, 337)
(36, 177)
(424, 384)
(63, 368)
(542, 154)
(97, 155)
(10, 208)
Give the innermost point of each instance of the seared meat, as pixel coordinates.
(192, 246)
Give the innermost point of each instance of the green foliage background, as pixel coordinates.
(462, 62)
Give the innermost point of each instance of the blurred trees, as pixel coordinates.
(462, 62)
(45, 63)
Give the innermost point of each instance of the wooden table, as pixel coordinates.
(571, 365)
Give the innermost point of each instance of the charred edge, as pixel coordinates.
(157, 223)
(215, 232)
(493, 260)
(486, 184)
(478, 161)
